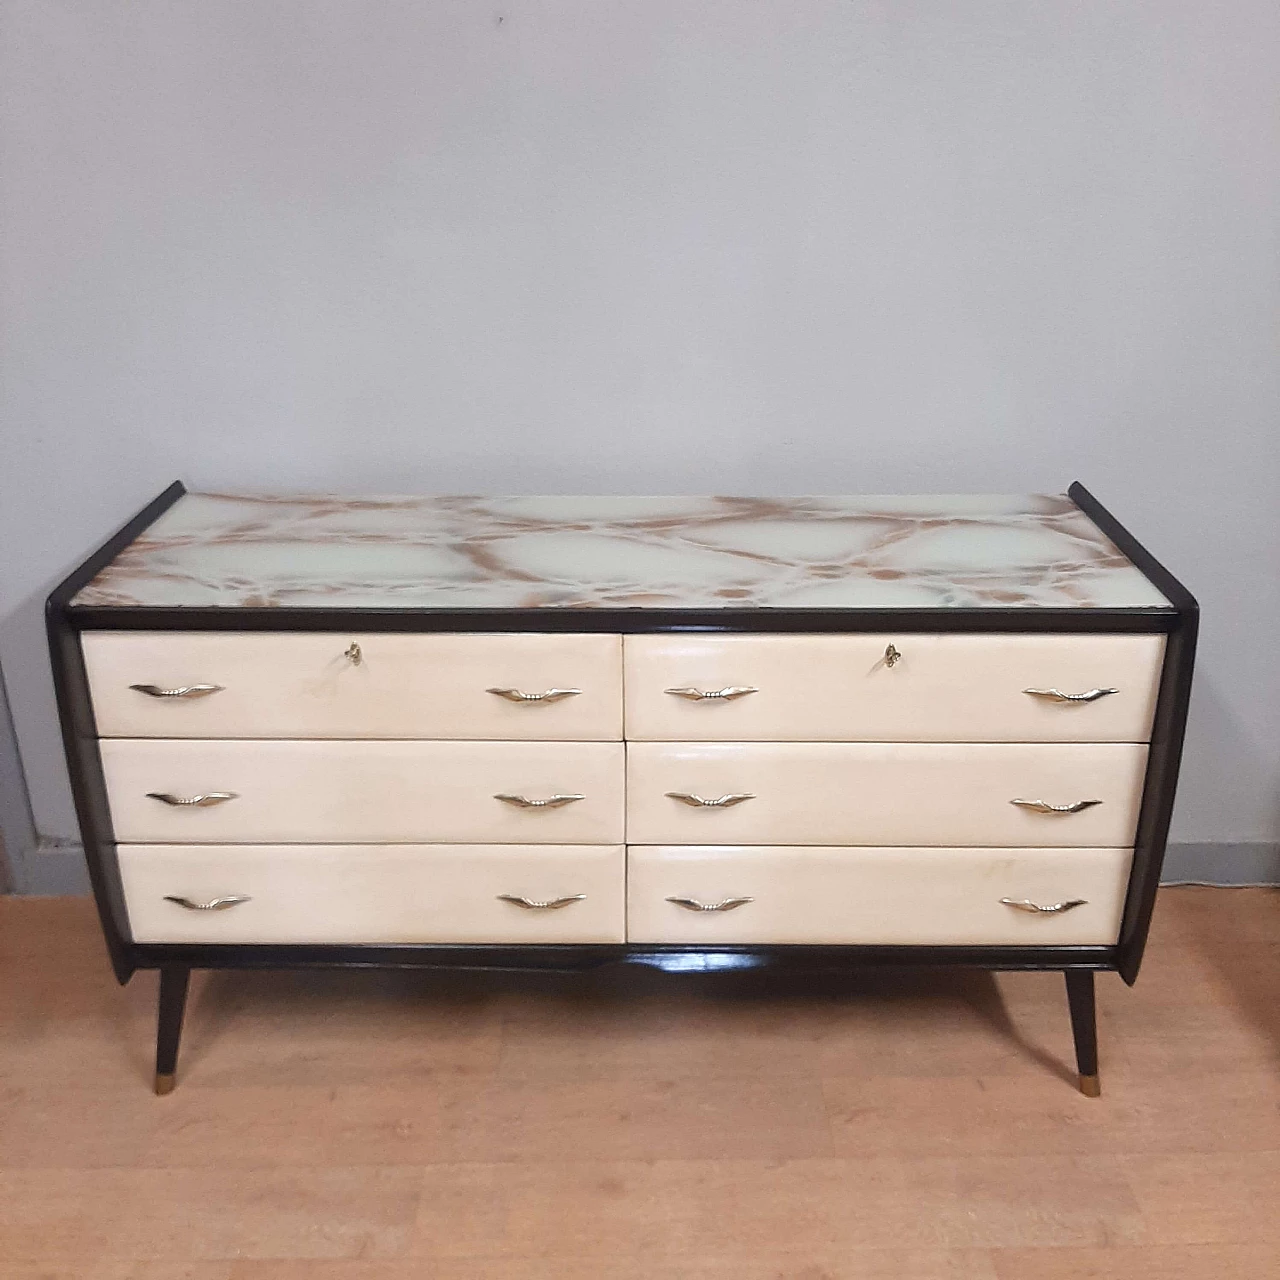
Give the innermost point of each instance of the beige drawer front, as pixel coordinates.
(374, 893)
(929, 897)
(828, 793)
(943, 688)
(385, 792)
(300, 685)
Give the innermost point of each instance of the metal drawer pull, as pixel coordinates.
(214, 904)
(531, 904)
(1058, 696)
(720, 802)
(891, 657)
(725, 904)
(551, 802)
(1022, 904)
(711, 695)
(205, 801)
(353, 654)
(182, 691)
(547, 695)
(1043, 806)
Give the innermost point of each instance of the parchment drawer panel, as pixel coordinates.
(300, 685)
(374, 893)
(385, 792)
(830, 793)
(876, 896)
(943, 688)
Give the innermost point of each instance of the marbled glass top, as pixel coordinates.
(584, 553)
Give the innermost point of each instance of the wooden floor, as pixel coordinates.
(632, 1124)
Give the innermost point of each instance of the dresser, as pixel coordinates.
(566, 731)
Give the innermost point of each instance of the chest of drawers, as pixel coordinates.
(568, 731)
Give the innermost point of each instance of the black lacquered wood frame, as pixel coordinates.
(66, 622)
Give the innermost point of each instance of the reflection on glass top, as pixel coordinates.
(589, 553)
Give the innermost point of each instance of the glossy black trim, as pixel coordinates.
(86, 571)
(629, 621)
(1180, 599)
(590, 955)
(80, 734)
(1168, 732)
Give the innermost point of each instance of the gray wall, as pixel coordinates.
(669, 246)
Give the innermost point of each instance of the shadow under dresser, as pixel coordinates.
(560, 732)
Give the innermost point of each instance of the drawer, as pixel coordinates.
(375, 893)
(384, 792)
(897, 793)
(889, 897)
(301, 685)
(943, 688)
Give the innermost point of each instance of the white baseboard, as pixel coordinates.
(55, 868)
(1252, 862)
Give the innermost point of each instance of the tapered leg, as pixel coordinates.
(1084, 1027)
(173, 1002)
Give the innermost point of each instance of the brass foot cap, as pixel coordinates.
(165, 1083)
(1090, 1086)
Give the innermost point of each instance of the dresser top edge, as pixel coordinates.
(971, 562)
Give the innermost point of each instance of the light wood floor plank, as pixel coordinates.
(631, 1124)
(1152, 1262)
(861, 1264)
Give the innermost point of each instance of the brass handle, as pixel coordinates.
(532, 904)
(1043, 806)
(205, 800)
(725, 904)
(547, 695)
(1091, 695)
(720, 802)
(891, 656)
(353, 654)
(181, 691)
(214, 904)
(1024, 904)
(551, 802)
(730, 694)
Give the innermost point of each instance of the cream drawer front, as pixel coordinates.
(320, 792)
(829, 793)
(930, 897)
(374, 893)
(943, 688)
(300, 685)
